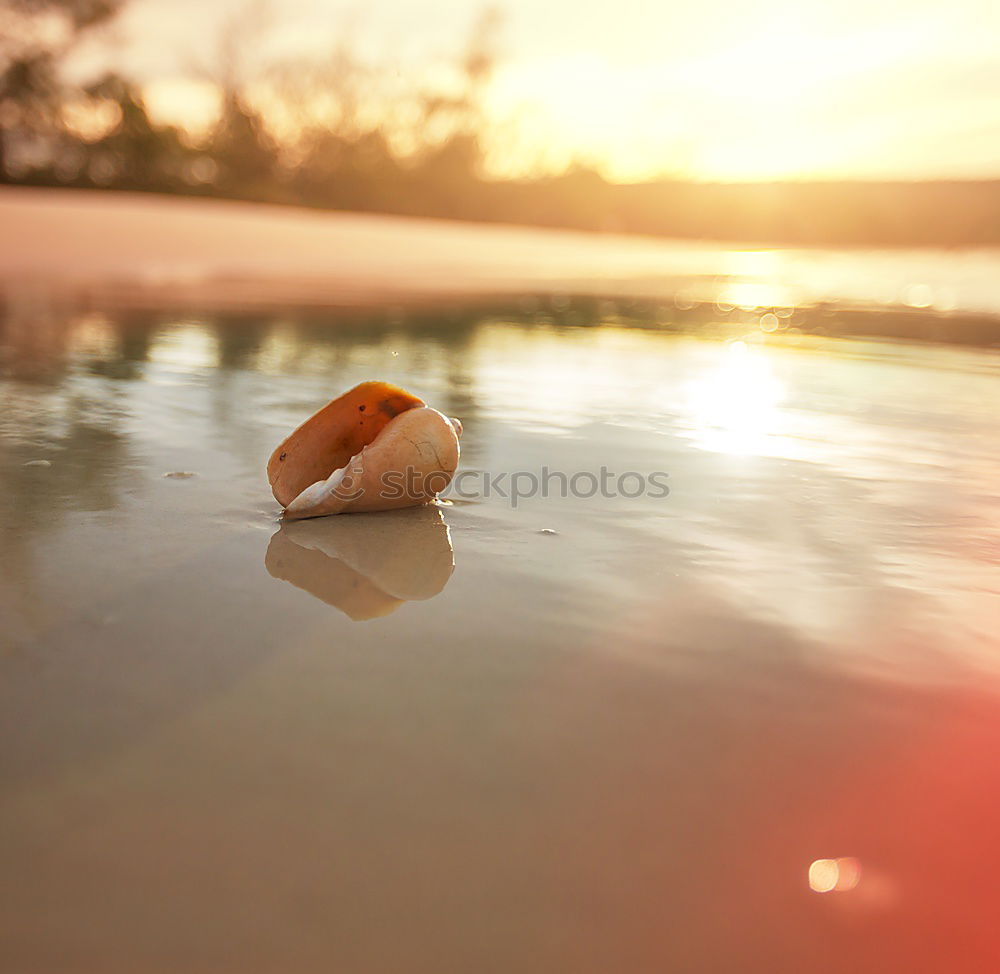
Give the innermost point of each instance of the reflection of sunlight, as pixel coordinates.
(735, 407)
(753, 294)
(281, 351)
(187, 348)
(92, 336)
(751, 279)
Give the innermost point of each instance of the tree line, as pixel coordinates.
(306, 133)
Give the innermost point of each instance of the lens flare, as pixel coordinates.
(834, 875)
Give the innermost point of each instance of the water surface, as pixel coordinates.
(580, 734)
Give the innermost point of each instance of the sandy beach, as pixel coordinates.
(559, 733)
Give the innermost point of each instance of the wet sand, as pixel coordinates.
(582, 734)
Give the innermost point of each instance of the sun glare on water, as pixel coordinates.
(735, 407)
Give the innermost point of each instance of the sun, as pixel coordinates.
(769, 101)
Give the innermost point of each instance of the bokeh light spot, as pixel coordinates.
(834, 875)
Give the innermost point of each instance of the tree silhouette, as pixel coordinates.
(36, 36)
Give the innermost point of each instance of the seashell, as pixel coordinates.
(375, 448)
(366, 566)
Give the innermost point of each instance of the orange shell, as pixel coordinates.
(328, 439)
(375, 448)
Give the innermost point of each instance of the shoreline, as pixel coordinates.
(64, 250)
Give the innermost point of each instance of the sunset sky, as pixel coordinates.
(722, 89)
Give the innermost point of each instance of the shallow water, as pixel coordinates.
(579, 733)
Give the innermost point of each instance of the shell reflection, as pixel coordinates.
(365, 565)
